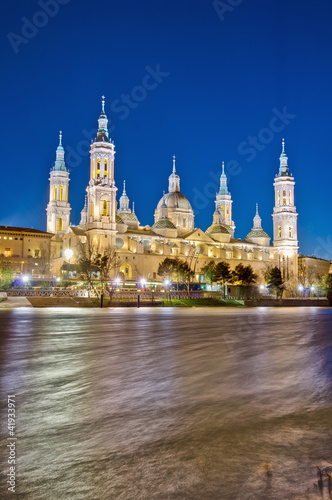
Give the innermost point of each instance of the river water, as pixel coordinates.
(144, 404)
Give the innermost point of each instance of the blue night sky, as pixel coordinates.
(219, 80)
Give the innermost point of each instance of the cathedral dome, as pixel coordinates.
(118, 219)
(218, 229)
(174, 200)
(163, 224)
(259, 233)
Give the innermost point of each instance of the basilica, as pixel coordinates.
(109, 222)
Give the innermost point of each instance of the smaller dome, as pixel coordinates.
(257, 234)
(163, 224)
(218, 228)
(118, 219)
(125, 217)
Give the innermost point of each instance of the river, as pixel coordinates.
(167, 403)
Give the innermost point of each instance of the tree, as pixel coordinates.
(168, 268)
(210, 271)
(274, 281)
(223, 272)
(7, 276)
(85, 266)
(244, 275)
(184, 273)
(104, 261)
(327, 284)
(44, 260)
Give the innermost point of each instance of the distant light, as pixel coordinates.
(300, 287)
(143, 282)
(58, 279)
(262, 287)
(167, 282)
(117, 280)
(69, 253)
(26, 278)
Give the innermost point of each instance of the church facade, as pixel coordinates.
(140, 248)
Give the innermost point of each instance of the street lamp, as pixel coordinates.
(69, 253)
(143, 282)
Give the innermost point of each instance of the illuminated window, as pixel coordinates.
(92, 208)
(67, 192)
(284, 198)
(93, 169)
(61, 193)
(222, 208)
(7, 252)
(36, 254)
(106, 167)
(279, 231)
(98, 168)
(54, 193)
(227, 212)
(278, 197)
(105, 208)
(290, 197)
(290, 232)
(60, 224)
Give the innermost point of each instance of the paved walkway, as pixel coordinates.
(15, 302)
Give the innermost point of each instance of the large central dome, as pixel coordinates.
(174, 200)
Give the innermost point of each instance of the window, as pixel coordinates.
(278, 197)
(92, 209)
(36, 254)
(284, 198)
(290, 197)
(98, 168)
(279, 231)
(222, 208)
(7, 252)
(105, 208)
(61, 193)
(154, 276)
(54, 193)
(67, 192)
(290, 232)
(227, 212)
(60, 224)
(93, 169)
(106, 167)
(184, 222)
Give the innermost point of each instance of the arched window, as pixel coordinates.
(60, 224)
(278, 197)
(55, 193)
(93, 169)
(290, 197)
(290, 232)
(61, 193)
(284, 198)
(105, 208)
(92, 208)
(279, 231)
(222, 208)
(227, 212)
(106, 168)
(98, 168)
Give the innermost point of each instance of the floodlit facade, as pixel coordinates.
(141, 248)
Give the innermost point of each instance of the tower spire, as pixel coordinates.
(174, 180)
(223, 181)
(60, 156)
(102, 135)
(283, 169)
(174, 171)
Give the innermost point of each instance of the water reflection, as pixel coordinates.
(150, 403)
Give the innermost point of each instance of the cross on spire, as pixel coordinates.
(60, 138)
(103, 103)
(174, 164)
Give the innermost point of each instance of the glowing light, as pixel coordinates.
(26, 278)
(143, 282)
(262, 287)
(69, 253)
(167, 282)
(300, 288)
(58, 279)
(117, 280)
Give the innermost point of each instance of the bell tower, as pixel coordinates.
(285, 220)
(58, 208)
(101, 190)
